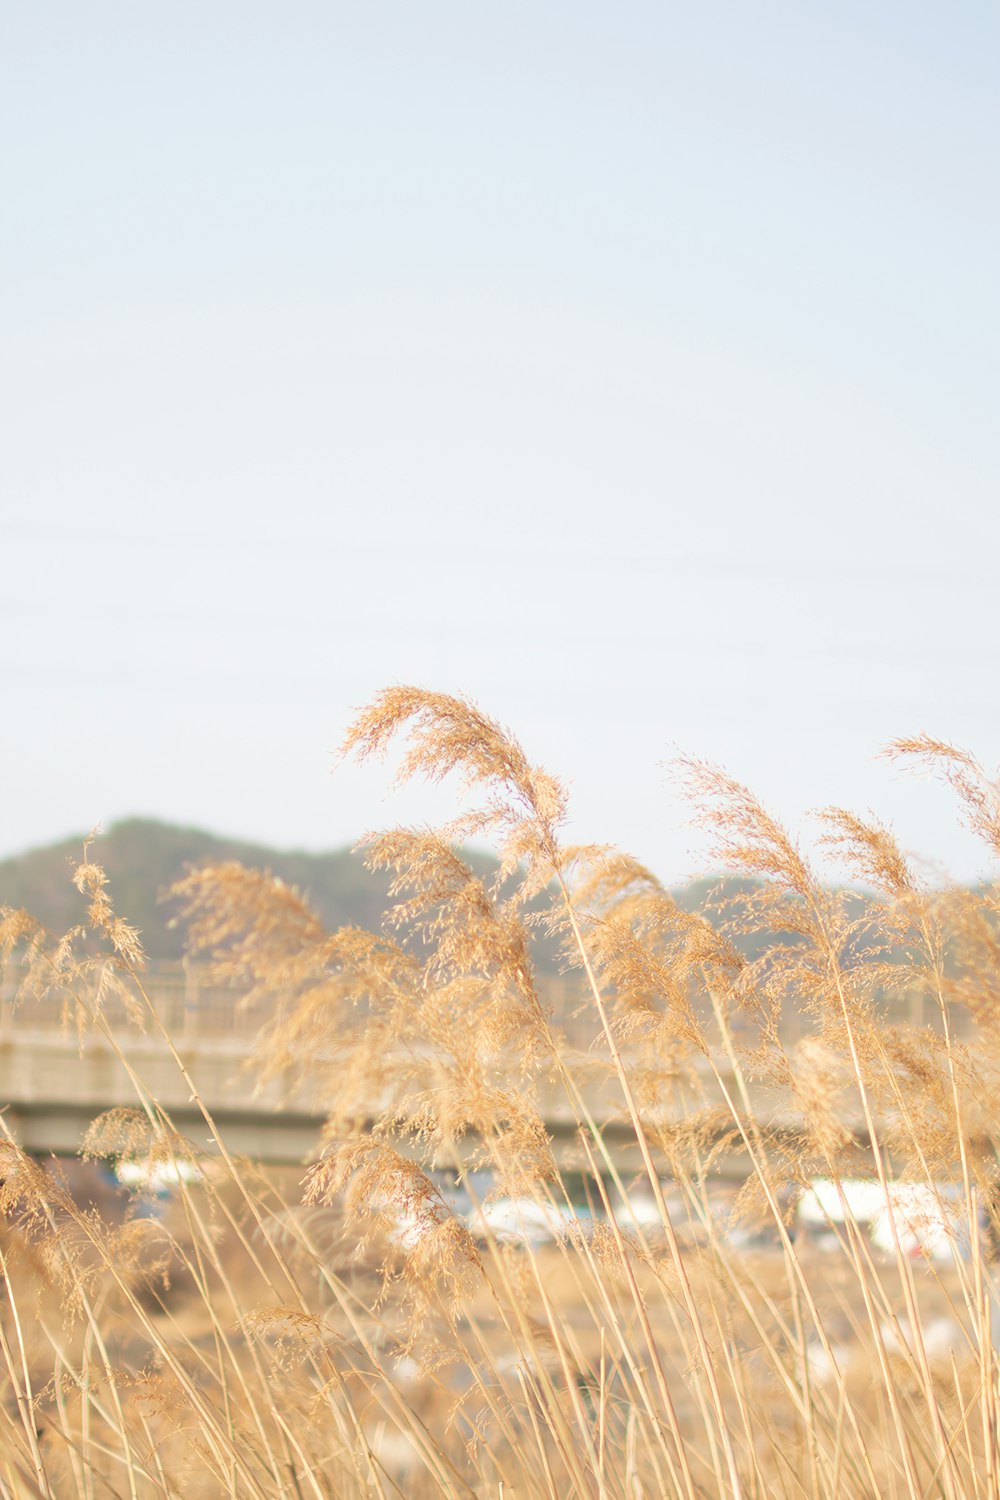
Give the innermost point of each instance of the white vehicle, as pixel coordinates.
(520, 1220)
(924, 1220)
(158, 1178)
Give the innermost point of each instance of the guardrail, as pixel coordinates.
(191, 1006)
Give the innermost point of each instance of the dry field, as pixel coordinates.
(354, 1328)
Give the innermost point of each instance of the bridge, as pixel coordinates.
(53, 1085)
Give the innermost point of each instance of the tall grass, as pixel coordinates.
(348, 1333)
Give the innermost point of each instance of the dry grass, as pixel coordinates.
(349, 1333)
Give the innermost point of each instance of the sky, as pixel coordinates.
(629, 368)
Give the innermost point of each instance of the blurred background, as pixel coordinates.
(630, 368)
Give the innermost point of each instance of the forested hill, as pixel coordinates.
(143, 858)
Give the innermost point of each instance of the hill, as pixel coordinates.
(143, 857)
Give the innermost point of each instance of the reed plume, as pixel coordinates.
(711, 1213)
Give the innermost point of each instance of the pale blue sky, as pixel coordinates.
(632, 368)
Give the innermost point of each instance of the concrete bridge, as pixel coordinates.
(52, 1086)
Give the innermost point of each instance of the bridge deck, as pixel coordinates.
(52, 1086)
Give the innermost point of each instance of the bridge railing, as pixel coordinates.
(194, 1009)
